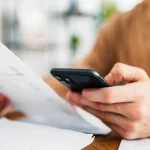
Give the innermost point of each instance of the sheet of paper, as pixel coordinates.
(22, 136)
(135, 145)
(37, 100)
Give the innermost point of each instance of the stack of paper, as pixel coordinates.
(22, 136)
(135, 145)
(37, 100)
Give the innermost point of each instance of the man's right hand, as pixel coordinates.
(4, 101)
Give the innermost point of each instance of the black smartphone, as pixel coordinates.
(79, 79)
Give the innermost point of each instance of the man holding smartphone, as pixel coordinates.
(125, 38)
(126, 109)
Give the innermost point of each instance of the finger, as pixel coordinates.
(119, 108)
(7, 110)
(117, 94)
(4, 101)
(1, 97)
(79, 100)
(73, 97)
(121, 72)
(124, 109)
(123, 133)
(110, 118)
(117, 129)
(2, 106)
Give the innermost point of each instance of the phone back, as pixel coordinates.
(79, 79)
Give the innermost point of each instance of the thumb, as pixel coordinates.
(125, 73)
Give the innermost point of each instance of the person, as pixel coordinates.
(124, 108)
(125, 38)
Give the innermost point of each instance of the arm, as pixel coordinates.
(101, 58)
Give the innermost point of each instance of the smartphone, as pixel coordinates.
(79, 79)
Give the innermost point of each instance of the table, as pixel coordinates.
(107, 142)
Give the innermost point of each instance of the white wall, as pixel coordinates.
(125, 5)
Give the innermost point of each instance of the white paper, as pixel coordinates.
(37, 100)
(22, 136)
(143, 144)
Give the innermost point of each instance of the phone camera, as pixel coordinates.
(58, 77)
(64, 82)
(67, 80)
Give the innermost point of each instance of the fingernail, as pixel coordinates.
(85, 91)
(109, 78)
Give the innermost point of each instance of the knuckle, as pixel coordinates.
(119, 67)
(132, 127)
(138, 113)
(143, 73)
(129, 135)
(109, 96)
(142, 97)
(89, 96)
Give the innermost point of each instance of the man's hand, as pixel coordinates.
(126, 108)
(3, 103)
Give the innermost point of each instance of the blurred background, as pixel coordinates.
(54, 33)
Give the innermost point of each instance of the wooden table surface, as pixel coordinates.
(108, 142)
